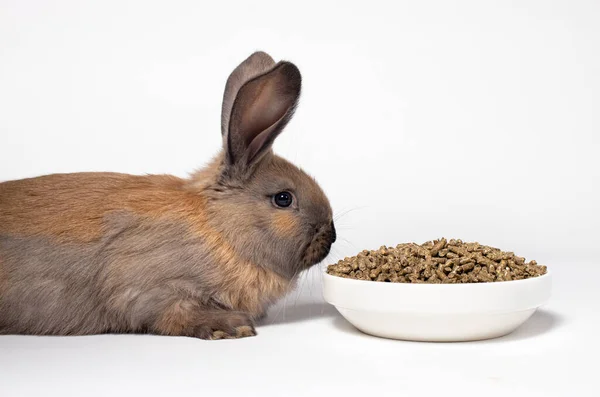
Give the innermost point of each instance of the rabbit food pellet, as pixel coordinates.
(438, 261)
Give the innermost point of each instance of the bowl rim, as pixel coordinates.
(548, 274)
(377, 296)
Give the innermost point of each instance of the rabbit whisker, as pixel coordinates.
(346, 212)
(300, 289)
(285, 300)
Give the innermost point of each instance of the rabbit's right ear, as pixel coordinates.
(260, 99)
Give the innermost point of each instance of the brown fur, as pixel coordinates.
(285, 223)
(104, 252)
(80, 201)
(176, 318)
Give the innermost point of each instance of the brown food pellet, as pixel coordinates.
(439, 262)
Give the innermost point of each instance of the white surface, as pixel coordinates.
(308, 349)
(437, 312)
(466, 119)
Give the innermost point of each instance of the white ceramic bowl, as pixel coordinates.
(436, 312)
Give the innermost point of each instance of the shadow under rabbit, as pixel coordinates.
(293, 313)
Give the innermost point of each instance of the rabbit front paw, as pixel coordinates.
(225, 325)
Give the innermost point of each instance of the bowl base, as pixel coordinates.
(436, 327)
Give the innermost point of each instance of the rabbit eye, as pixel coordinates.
(283, 199)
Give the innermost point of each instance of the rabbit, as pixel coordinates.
(205, 257)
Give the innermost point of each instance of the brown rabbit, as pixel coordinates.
(92, 253)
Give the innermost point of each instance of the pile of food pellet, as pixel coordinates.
(438, 261)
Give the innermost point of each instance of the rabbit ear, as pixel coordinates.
(256, 64)
(262, 107)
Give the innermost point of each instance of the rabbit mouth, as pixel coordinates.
(315, 253)
(320, 246)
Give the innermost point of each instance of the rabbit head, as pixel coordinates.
(271, 211)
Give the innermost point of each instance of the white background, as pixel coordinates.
(468, 119)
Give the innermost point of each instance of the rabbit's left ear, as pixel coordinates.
(262, 107)
(255, 65)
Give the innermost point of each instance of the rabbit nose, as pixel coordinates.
(333, 233)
